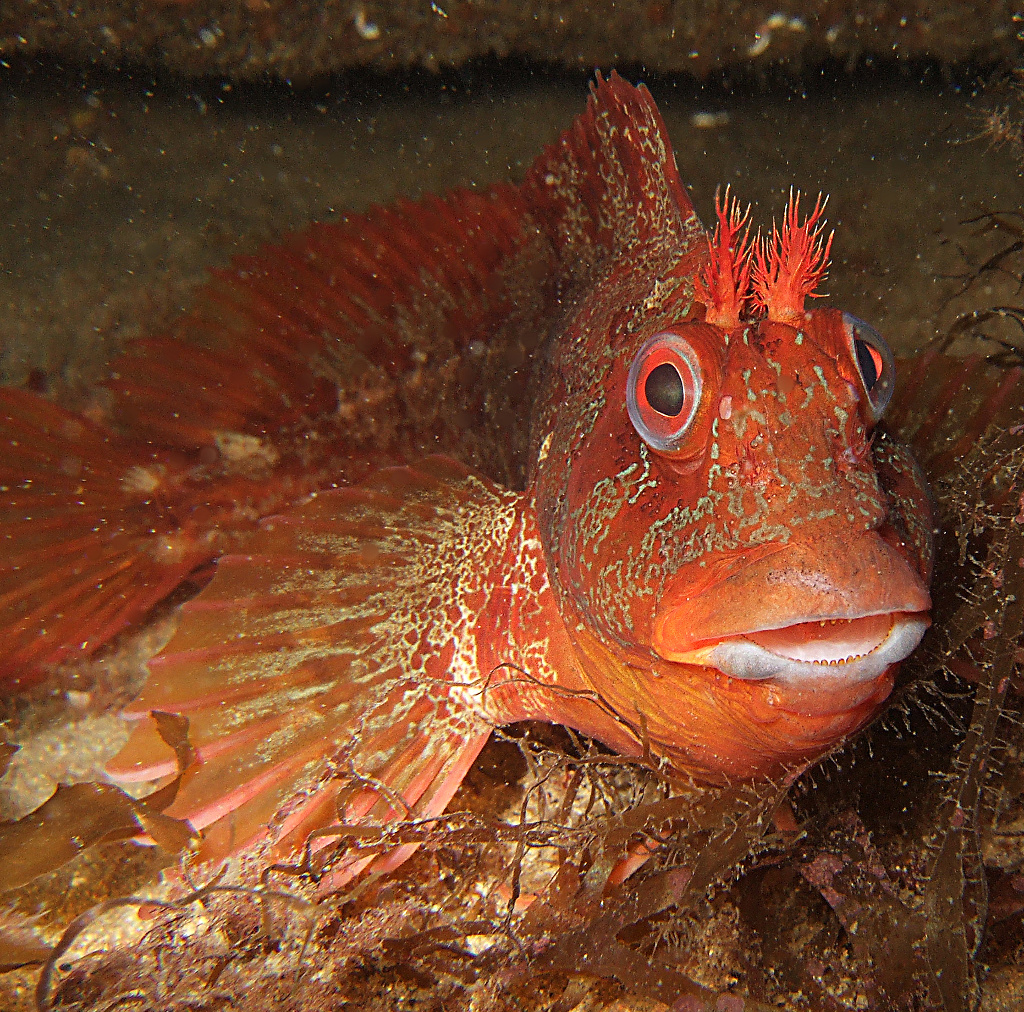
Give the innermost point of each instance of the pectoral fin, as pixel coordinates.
(331, 673)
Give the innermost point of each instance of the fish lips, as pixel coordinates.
(822, 629)
(862, 649)
(847, 673)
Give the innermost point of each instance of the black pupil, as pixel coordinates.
(866, 361)
(663, 389)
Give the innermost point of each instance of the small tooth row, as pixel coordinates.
(836, 662)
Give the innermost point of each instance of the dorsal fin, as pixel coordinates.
(309, 334)
(611, 180)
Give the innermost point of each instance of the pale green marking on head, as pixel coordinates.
(714, 451)
(645, 481)
(824, 382)
(799, 338)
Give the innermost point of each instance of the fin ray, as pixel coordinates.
(73, 570)
(334, 671)
(987, 395)
(611, 181)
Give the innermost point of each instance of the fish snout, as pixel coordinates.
(822, 622)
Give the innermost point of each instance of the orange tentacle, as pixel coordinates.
(723, 285)
(791, 264)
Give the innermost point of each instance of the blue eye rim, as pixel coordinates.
(864, 338)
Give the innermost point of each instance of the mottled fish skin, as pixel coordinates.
(782, 470)
(725, 584)
(782, 453)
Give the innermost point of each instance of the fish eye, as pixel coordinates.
(663, 391)
(874, 362)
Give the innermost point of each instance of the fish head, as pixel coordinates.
(742, 555)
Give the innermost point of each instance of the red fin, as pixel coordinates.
(299, 368)
(611, 180)
(985, 395)
(343, 348)
(89, 540)
(335, 321)
(340, 655)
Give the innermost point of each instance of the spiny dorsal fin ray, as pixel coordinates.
(387, 284)
(611, 181)
(276, 344)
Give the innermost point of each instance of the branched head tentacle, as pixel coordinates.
(789, 265)
(724, 283)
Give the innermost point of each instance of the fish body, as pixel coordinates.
(716, 558)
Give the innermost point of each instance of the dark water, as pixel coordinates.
(120, 191)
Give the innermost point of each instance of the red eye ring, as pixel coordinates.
(663, 391)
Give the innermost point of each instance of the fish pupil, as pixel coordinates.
(663, 389)
(870, 363)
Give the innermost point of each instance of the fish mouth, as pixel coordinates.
(822, 668)
(816, 654)
(822, 626)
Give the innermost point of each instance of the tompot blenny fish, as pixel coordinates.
(717, 558)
